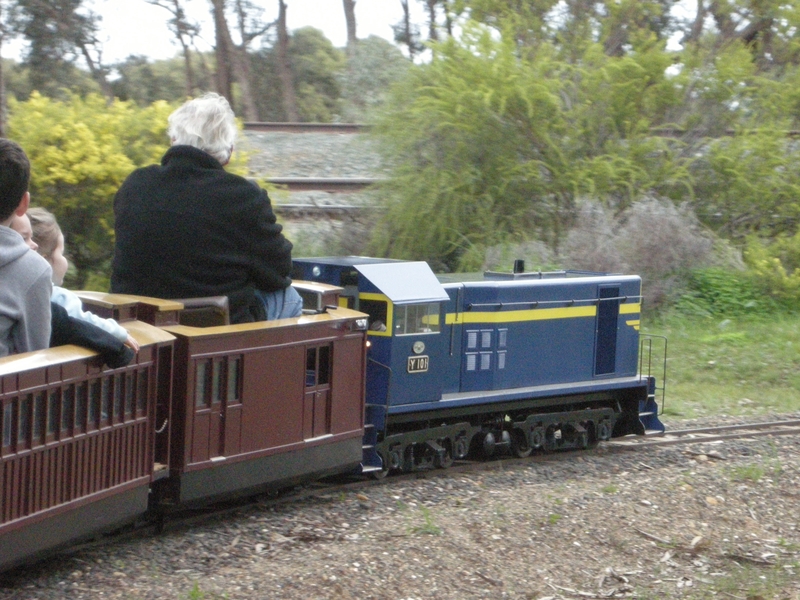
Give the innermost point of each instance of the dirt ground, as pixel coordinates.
(718, 520)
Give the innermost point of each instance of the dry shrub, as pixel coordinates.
(653, 238)
(537, 256)
(592, 245)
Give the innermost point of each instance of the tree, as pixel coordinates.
(58, 34)
(285, 67)
(406, 33)
(537, 105)
(374, 67)
(317, 69)
(144, 81)
(185, 32)
(350, 19)
(80, 151)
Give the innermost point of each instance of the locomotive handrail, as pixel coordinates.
(537, 303)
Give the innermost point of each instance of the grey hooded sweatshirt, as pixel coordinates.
(25, 288)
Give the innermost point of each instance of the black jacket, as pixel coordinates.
(187, 228)
(70, 330)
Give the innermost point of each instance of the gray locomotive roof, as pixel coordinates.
(404, 282)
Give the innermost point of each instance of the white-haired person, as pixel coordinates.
(187, 228)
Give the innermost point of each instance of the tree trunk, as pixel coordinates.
(97, 72)
(285, 68)
(181, 28)
(222, 52)
(350, 17)
(433, 33)
(236, 63)
(407, 29)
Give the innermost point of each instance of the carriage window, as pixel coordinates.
(39, 411)
(67, 407)
(94, 403)
(80, 407)
(311, 367)
(377, 311)
(52, 412)
(141, 392)
(129, 394)
(416, 318)
(24, 422)
(118, 400)
(105, 394)
(324, 364)
(318, 365)
(7, 428)
(201, 384)
(216, 382)
(233, 379)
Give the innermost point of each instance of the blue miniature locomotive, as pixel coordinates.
(523, 361)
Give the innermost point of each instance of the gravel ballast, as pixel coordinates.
(701, 521)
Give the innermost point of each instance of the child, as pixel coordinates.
(47, 237)
(25, 285)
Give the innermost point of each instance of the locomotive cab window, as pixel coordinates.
(378, 311)
(416, 318)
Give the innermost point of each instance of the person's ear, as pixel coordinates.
(22, 208)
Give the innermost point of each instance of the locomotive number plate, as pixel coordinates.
(417, 364)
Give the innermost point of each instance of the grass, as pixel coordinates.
(748, 366)
(428, 527)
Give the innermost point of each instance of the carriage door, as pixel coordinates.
(218, 408)
(317, 404)
(605, 352)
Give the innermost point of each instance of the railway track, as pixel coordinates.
(324, 184)
(339, 485)
(263, 127)
(709, 434)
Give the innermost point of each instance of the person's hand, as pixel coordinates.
(132, 343)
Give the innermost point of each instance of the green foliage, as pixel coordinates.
(316, 65)
(429, 527)
(81, 150)
(730, 365)
(71, 80)
(487, 147)
(721, 292)
(57, 32)
(145, 81)
(776, 269)
(370, 72)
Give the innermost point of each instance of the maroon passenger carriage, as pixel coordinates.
(202, 413)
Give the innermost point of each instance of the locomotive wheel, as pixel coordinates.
(537, 437)
(444, 461)
(378, 475)
(519, 444)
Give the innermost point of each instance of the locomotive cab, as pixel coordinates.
(404, 304)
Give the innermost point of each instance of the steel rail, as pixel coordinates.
(708, 434)
(324, 184)
(351, 128)
(300, 211)
(305, 127)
